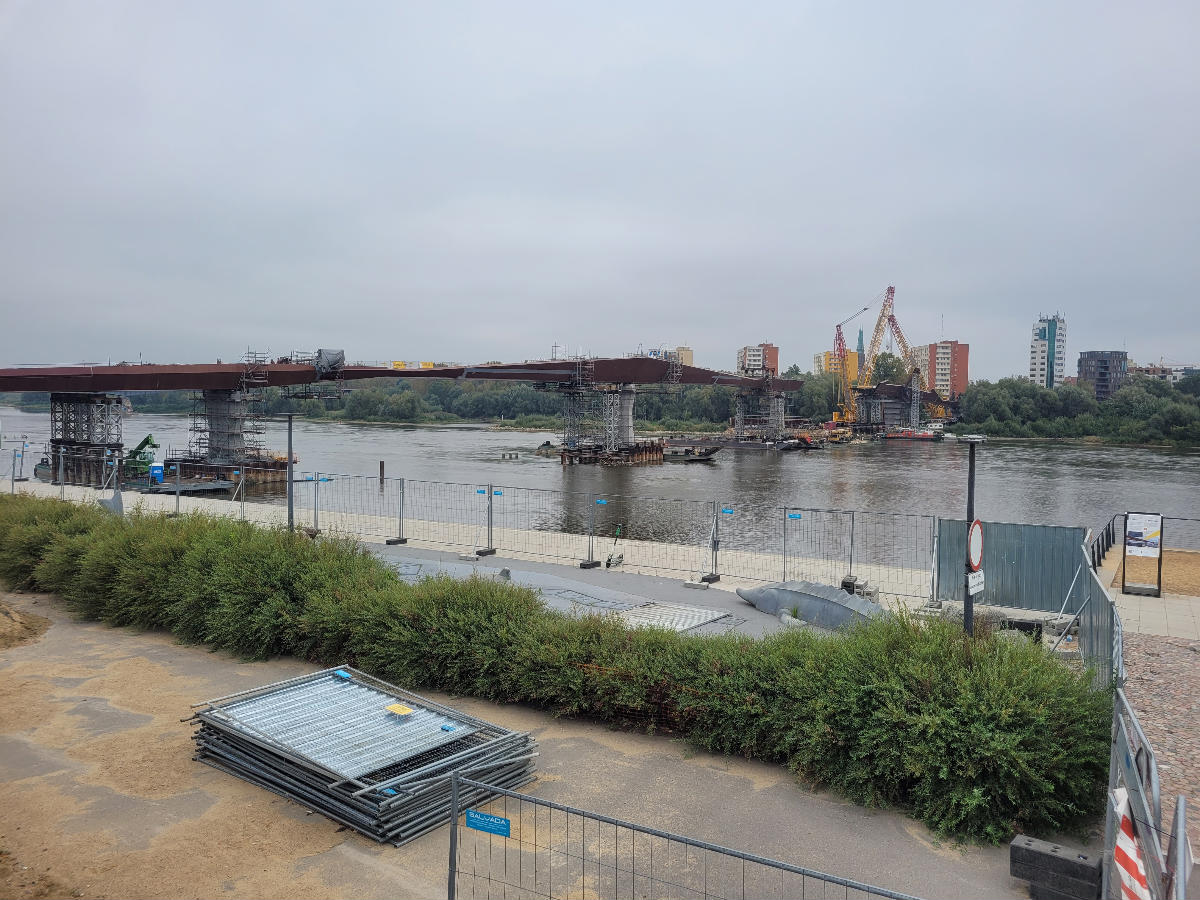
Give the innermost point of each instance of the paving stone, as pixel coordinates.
(1164, 687)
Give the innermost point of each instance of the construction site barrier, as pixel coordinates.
(523, 846)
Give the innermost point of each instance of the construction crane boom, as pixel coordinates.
(839, 349)
(885, 312)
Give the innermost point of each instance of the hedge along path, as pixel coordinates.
(974, 737)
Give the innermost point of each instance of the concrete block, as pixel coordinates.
(698, 585)
(1044, 892)
(1030, 853)
(1062, 885)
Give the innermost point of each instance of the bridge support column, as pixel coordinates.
(626, 396)
(575, 410)
(225, 414)
(85, 432)
(739, 417)
(777, 416)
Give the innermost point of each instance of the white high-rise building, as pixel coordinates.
(1048, 351)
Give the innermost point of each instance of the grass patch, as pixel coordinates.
(976, 737)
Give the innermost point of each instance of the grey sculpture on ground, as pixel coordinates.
(817, 604)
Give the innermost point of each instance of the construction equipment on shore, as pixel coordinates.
(139, 460)
(914, 367)
(847, 414)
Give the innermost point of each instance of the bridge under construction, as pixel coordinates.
(598, 394)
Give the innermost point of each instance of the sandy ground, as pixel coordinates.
(1180, 571)
(103, 799)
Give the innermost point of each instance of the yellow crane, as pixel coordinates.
(846, 403)
(916, 374)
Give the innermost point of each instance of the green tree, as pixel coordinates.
(890, 368)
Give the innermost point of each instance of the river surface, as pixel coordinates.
(1059, 484)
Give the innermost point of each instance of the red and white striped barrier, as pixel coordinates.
(1128, 854)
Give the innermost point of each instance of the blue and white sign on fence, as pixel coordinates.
(481, 490)
(489, 823)
(795, 515)
(156, 474)
(727, 510)
(602, 503)
(498, 493)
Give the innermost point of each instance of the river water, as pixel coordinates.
(1060, 484)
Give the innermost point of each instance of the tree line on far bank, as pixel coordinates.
(1143, 411)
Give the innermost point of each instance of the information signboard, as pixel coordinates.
(1143, 534)
(1144, 539)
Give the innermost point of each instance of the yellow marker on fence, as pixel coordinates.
(399, 709)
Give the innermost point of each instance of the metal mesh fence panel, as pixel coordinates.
(653, 534)
(818, 544)
(541, 524)
(453, 515)
(352, 504)
(894, 552)
(538, 849)
(751, 542)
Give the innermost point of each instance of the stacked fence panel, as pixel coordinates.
(358, 750)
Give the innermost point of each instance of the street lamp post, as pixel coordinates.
(974, 554)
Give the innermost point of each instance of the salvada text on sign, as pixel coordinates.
(489, 823)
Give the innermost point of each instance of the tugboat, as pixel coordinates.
(913, 434)
(689, 454)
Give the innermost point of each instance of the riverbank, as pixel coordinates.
(1089, 441)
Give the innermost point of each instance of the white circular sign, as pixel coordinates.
(975, 545)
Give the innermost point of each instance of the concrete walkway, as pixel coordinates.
(103, 798)
(1171, 615)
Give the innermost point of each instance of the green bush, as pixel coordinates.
(976, 738)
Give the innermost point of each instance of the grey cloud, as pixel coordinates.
(458, 181)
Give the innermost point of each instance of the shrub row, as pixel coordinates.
(976, 738)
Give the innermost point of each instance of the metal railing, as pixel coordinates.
(524, 846)
(1133, 763)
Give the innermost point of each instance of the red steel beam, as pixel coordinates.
(228, 376)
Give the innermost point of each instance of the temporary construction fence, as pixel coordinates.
(1133, 765)
(685, 538)
(524, 846)
(362, 752)
(1025, 566)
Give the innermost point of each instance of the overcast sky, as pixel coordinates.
(445, 181)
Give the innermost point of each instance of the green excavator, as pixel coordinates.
(139, 460)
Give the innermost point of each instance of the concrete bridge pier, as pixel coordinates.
(225, 414)
(626, 396)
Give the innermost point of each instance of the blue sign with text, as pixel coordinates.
(795, 515)
(489, 823)
(601, 502)
(156, 474)
(727, 510)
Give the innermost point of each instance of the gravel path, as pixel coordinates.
(1164, 687)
